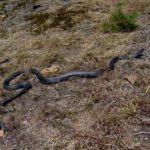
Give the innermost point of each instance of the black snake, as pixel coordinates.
(24, 86)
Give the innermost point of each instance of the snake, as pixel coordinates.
(23, 87)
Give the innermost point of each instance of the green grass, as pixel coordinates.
(2, 6)
(120, 21)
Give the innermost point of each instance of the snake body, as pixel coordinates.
(24, 86)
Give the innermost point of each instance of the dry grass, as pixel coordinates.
(3, 33)
(105, 113)
(50, 57)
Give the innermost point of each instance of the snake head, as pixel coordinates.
(139, 54)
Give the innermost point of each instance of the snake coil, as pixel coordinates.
(25, 86)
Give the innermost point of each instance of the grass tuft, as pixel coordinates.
(50, 57)
(38, 22)
(128, 110)
(120, 21)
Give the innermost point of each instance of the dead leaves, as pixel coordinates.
(137, 80)
(52, 70)
(131, 78)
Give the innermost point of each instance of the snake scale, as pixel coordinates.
(25, 86)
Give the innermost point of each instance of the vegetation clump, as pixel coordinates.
(120, 21)
(65, 17)
(2, 6)
(38, 22)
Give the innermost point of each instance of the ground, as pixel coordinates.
(111, 112)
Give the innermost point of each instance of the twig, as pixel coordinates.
(142, 132)
(4, 61)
